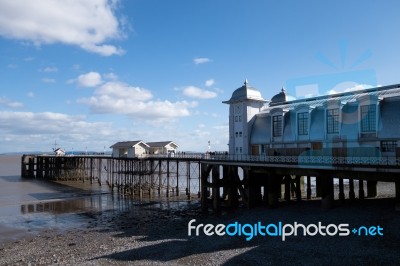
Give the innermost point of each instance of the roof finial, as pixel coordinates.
(283, 89)
(246, 82)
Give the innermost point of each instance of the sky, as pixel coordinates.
(87, 74)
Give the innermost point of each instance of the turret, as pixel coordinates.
(244, 104)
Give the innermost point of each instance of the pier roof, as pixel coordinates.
(383, 93)
(128, 144)
(161, 143)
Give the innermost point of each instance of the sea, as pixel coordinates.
(31, 206)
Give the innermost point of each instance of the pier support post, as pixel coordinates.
(232, 183)
(361, 189)
(159, 177)
(308, 187)
(287, 180)
(341, 191)
(327, 193)
(372, 188)
(318, 186)
(204, 172)
(254, 188)
(188, 179)
(298, 187)
(215, 189)
(397, 206)
(168, 187)
(177, 178)
(273, 190)
(352, 194)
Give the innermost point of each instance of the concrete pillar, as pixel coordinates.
(273, 189)
(308, 187)
(318, 186)
(341, 191)
(231, 179)
(327, 192)
(352, 194)
(361, 189)
(372, 188)
(253, 188)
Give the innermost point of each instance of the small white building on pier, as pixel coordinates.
(163, 147)
(131, 149)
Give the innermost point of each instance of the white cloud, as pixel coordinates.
(209, 82)
(111, 76)
(201, 60)
(30, 94)
(194, 92)
(120, 98)
(24, 131)
(91, 79)
(87, 24)
(49, 123)
(48, 80)
(9, 103)
(49, 69)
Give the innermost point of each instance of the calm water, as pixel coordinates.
(28, 206)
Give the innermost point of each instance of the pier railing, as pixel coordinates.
(308, 160)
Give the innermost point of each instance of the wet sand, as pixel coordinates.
(156, 233)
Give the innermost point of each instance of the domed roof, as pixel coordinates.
(246, 92)
(281, 98)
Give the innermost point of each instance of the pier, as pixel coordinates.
(226, 181)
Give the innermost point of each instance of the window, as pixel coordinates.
(302, 123)
(240, 149)
(262, 149)
(240, 118)
(277, 125)
(240, 134)
(236, 134)
(236, 118)
(332, 121)
(388, 146)
(368, 118)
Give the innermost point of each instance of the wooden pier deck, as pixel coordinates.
(223, 180)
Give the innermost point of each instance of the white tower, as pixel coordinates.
(245, 102)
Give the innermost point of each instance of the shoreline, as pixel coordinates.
(154, 236)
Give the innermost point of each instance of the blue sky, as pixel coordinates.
(90, 73)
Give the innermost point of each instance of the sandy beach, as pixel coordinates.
(156, 233)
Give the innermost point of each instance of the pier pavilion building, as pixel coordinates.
(357, 123)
